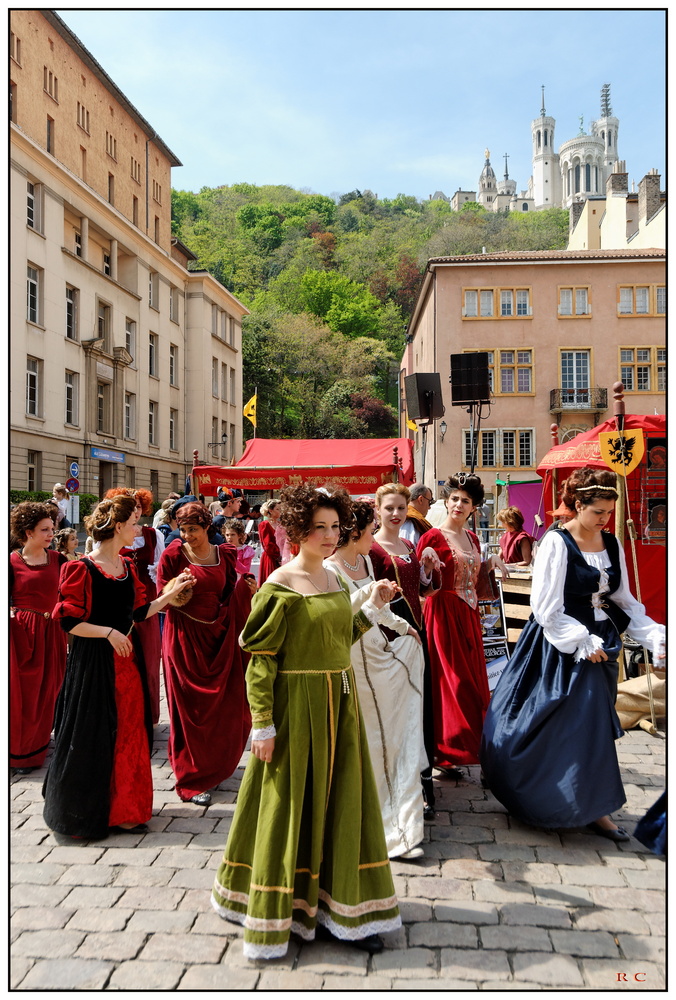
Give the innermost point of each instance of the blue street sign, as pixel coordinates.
(74, 470)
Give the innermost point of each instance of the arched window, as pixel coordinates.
(603, 134)
(587, 177)
(568, 181)
(525, 206)
(610, 138)
(539, 138)
(596, 180)
(577, 177)
(545, 137)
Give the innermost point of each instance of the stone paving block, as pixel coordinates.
(534, 873)
(556, 855)
(513, 984)
(118, 946)
(68, 974)
(38, 918)
(645, 879)
(216, 977)
(603, 974)
(211, 923)
(179, 857)
(30, 853)
(151, 898)
(640, 946)
(647, 900)
(155, 875)
(474, 964)
(208, 842)
(442, 935)
(513, 938)
(166, 839)
(161, 921)
(234, 958)
(598, 919)
(586, 876)
(503, 892)
(193, 824)
(193, 878)
(48, 943)
(527, 914)
(585, 944)
(18, 968)
(447, 850)
(368, 983)
(474, 870)
(400, 886)
(407, 964)
(172, 807)
(415, 910)
(186, 948)
(469, 912)
(625, 861)
(419, 866)
(75, 855)
(158, 823)
(137, 975)
(657, 923)
(418, 985)
(395, 939)
(562, 895)
(199, 901)
(506, 852)
(291, 981)
(527, 835)
(463, 834)
(35, 821)
(38, 895)
(319, 957)
(439, 888)
(42, 874)
(490, 820)
(553, 970)
(84, 897)
(25, 838)
(135, 857)
(88, 875)
(99, 920)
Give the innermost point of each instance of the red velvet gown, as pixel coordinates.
(203, 672)
(100, 774)
(271, 558)
(148, 631)
(459, 676)
(37, 658)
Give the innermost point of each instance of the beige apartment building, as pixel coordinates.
(122, 359)
(559, 328)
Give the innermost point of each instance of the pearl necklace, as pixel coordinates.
(196, 559)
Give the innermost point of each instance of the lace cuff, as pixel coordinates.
(264, 734)
(592, 644)
(424, 579)
(371, 611)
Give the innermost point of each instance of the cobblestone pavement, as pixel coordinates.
(494, 905)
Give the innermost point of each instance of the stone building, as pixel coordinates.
(122, 359)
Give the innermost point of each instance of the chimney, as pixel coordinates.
(618, 181)
(648, 196)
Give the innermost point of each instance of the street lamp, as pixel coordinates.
(443, 427)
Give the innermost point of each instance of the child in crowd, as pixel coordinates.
(235, 534)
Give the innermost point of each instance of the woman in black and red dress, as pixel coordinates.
(271, 557)
(145, 550)
(99, 776)
(37, 646)
(202, 661)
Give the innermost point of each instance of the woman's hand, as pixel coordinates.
(120, 642)
(250, 581)
(598, 657)
(383, 592)
(495, 562)
(263, 749)
(412, 631)
(429, 560)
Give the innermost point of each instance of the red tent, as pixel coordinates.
(646, 487)
(361, 465)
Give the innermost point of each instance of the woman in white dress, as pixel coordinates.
(389, 676)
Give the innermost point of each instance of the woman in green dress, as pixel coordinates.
(306, 852)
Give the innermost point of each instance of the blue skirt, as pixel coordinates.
(548, 745)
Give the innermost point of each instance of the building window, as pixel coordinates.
(233, 397)
(487, 450)
(50, 135)
(106, 264)
(103, 407)
(525, 448)
(173, 424)
(575, 378)
(509, 448)
(130, 477)
(643, 369)
(83, 117)
(214, 320)
(111, 189)
(33, 288)
(51, 84)
(494, 303)
(224, 382)
(173, 364)
(513, 372)
(136, 170)
(130, 416)
(154, 482)
(72, 297)
(152, 354)
(157, 229)
(111, 146)
(214, 376)
(78, 244)
(641, 300)
(72, 398)
(574, 301)
(33, 200)
(174, 482)
(12, 101)
(233, 327)
(103, 325)
(154, 290)
(134, 210)
(130, 338)
(33, 470)
(15, 47)
(152, 422)
(224, 441)
(83, 163)
(33, 386)
(157, 192)
(173, 304)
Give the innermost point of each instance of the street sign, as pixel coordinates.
(74, 470)
(73, 485)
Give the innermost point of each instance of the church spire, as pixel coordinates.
(606, 110)
(543, 112)
(506, 171)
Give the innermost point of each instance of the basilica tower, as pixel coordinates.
(546, 173)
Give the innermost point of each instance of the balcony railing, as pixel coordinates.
(593, 400)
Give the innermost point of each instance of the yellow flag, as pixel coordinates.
(622, 452)
(411, 425)
(250, 409)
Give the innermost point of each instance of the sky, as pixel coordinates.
(396, 101)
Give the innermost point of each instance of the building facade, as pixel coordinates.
(559, 328)
(122, 359)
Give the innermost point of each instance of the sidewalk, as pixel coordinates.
(494, 905)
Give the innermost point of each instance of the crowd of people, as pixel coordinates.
(354, 661)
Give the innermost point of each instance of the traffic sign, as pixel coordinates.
(74, 470)
(73, 485)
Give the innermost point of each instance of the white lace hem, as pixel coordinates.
(357, 933)
(592, 644)
(264, 734)
(256, 951)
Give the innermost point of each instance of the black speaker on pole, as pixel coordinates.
(423, 396)
(469, 378)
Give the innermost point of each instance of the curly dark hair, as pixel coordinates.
(61, 539)
(233, 524)
(27, 515)
(363, 514)
(142, 497)
(588, 485)
(117, 510)
(300, 502)
(467, 482)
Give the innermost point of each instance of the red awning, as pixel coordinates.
(361, 465)
(584, 448)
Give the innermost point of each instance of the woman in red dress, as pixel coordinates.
(271, 559)
(37, 646)
(202, 661)
(459, 676)
(146, 549)
(99, 776)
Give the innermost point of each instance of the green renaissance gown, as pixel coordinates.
(307, 842)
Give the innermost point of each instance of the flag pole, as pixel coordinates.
(256, 395)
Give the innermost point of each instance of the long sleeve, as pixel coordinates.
(263, 637)
(266, 533)
(159, 549)
(641, 627)
(547, 603)
(169, 564)
(75, 599)
(360, 598)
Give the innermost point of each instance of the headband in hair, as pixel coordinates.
(588, 489)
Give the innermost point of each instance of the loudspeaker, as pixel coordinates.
(423, 396)
(469, 379)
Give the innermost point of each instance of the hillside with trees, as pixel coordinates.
(331, 283)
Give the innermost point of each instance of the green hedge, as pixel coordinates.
(87, 500)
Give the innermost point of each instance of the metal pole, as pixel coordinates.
(193, 476)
